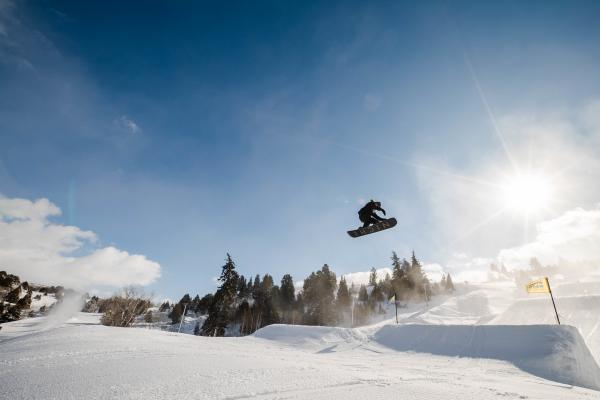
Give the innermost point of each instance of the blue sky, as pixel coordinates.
(185, 131)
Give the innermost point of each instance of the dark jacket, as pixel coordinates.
(369, 209)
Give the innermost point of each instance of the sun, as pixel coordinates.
(528, 193)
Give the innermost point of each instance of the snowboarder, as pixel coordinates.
(372, 222)
(367, 213)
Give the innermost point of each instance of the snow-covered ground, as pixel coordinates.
(83, 360)
(451, 348)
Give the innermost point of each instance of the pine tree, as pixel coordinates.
(267, 283)
(416, 276)
(287, 296)
(405, 266)
(263, 309)
(148, 317)
(180, 308)
(241, 287)
(221, 310)
(373, 277)
(195, 303)
(386, 286)
(343, 299)
(275, 294)
(204, 304)
(246, 318)
(164, 306)
(397, 271)
(256, 285)
(377, 294)
(186, 300)
(400, 282)
(176, 313)
(319, 297)
(363, 295)
(353, 289)
(299, 308)
(449, 284)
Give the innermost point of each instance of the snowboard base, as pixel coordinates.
(380, 226)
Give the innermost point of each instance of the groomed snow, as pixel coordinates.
(84, 360)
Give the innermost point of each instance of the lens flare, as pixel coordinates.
(528, 193)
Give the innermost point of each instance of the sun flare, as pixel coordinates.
(528, 193)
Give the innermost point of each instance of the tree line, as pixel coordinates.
(242, 305)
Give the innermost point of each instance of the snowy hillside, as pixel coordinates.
(451, 348)
(278, 362)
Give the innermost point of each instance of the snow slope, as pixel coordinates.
(558, 353)
(81, 359)
(495, 304)
(579, 311)
(554, 352)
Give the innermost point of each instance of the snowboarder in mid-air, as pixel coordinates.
(367, 213)
(372, 222)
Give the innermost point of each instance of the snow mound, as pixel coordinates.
(554, 352)
(313, 338)
(469, 305)
(579, 311)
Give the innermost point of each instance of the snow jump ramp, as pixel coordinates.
(553, 352)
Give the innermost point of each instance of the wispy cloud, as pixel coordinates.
(42, 251)
(15, 43)
(126, 124)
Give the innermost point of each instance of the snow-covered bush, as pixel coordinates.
(121, 310)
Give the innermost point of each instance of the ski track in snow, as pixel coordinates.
(421, 359)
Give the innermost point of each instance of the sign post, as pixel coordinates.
(542, 286)
(395, 304)
(182, 318)
(553, 303)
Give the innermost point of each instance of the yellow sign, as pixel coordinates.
(538, 286)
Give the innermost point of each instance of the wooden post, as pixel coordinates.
(182, 318)
(396, 306)
(553, 303)
(352, 313)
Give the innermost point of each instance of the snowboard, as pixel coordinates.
(380, 226)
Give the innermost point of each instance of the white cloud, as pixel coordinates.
(362, 278)
(470, 211)
(463, 267)
(127, 124)
(41, 251)
(434, 271)
(574, 236)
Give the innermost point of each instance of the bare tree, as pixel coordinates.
(121, 310)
